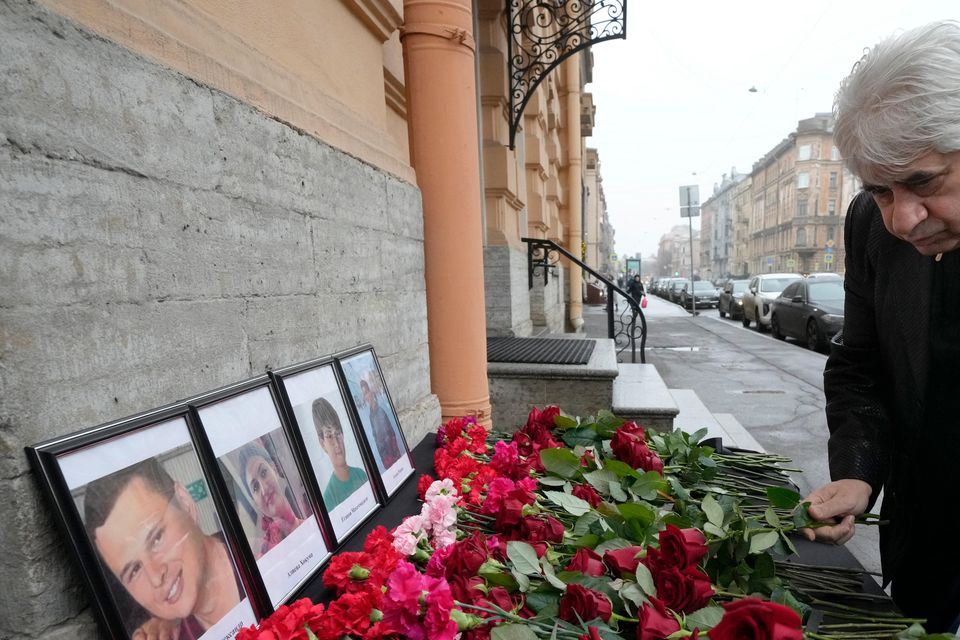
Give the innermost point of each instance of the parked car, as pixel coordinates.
(673, 294)
(810, 310)
(703, 292)
(730, 300)
(761, 292)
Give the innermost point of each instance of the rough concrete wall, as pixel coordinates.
(506, 291)
(160, 239)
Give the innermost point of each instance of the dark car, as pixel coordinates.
(703, 291)
(731, 298)
(810, 310)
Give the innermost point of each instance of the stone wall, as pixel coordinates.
(161, 239)
(507, 292)
(548, 309)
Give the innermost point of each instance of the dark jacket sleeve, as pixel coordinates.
(857, 417)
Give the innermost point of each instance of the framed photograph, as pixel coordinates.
(140, 516)
(319, 409)
(377, 416)
(263, 478)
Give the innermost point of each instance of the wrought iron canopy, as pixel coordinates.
(543, 33)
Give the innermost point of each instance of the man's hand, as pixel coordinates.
(158, 629)
(838, 503)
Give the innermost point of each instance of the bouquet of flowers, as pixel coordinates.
(587, 529)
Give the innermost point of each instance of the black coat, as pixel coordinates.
(875, 380)
(635, 289)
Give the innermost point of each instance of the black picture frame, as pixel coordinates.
(136, 462)
(312, 391)
(244, 430)
(367, 389)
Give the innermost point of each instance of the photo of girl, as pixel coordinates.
(267, 492)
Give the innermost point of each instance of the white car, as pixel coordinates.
(760, 294)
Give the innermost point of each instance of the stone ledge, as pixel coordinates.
(639, 393)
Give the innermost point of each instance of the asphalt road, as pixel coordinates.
(774, 388)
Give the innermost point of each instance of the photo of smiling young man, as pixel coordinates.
(162, 546)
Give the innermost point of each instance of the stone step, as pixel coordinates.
(641, 395)
(694, 415)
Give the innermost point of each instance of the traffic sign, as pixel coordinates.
(829, 250)
(770, 261)
(828, 258)
(791, 262)
(829, 243)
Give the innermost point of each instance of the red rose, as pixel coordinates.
(535, 529)
(623, 560)
(655, 622)
(682, 547)
(466, 556)
(512, 507)
(587, 562)
(683, 590)
(585, 603)
(628, 446)
(588, 493)
(755, 619)
(542, 418)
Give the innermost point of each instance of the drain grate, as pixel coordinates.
(539, 350)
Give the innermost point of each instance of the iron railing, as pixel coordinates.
(625, 330)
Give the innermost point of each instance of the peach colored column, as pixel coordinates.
(574, 189)
(442, 114)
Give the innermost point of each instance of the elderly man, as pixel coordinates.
(893, 396)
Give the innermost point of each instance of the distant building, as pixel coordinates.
(717, 227)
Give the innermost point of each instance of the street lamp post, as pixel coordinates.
(690, 207)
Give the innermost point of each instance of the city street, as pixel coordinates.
(773, 388)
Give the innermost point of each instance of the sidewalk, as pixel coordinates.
(693, 414)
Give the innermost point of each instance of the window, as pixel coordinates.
(801, 208)
(830, 233)
(801, 237)
(803, 180)
(833, 179)
(804, 152)
(792, 290)
(835, 154)
(832, 207)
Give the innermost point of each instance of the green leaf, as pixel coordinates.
(801, 517)
(622, 469)
(512, 632)
(551, 481)
(632, 592)
(571, 504)
(697, 435)
(601, 479)
(501, 579)
(523, 582)
(706, 618)
(617, 492)
(788, 543)
(550, 575)
(588, 540)
(712, 510)
(582, 435)
(613, 543)
(713, 529)
(645, 580)
(762, 541)
(771, 517)
(524, 557)
(648, 485)
(636, 511)
(783, 497)
(538, 600)
(565, 422)
(561, 462)
(584, 522)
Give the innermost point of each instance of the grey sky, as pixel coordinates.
(673, 99)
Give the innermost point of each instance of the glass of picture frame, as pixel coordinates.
(376, 414)
(264, 479)
(317, 406)
(134, 498)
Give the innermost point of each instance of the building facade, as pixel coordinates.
(717, 228)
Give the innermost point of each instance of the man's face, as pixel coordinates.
(921, 205)
(155, 549)
(331, 439)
